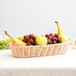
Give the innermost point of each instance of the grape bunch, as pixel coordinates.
(29, 39)
(4, 44)
(53, 38)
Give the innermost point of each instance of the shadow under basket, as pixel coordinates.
(38, 51)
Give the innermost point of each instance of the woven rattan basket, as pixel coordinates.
(37, 51)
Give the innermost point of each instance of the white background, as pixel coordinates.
(37, 16)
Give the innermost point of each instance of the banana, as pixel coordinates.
(61, 33)
(15, 40)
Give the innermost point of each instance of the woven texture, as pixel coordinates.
(37, 51)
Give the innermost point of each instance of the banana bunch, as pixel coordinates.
(15, 40)
(61, 33)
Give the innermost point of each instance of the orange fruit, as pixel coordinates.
(20, 38)
(13, 44)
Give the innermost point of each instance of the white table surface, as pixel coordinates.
(65, 61)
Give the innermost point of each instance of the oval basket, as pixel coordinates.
(37, 51)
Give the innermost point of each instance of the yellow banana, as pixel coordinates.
(61, 33)
(16, 41)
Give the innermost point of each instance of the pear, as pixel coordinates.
(41, 40)
(61, 33)
(15, 40)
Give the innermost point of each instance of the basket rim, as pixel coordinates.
(39, 45)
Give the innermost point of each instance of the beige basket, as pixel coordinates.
(37, 51)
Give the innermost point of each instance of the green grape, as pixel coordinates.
(8, 41)
(1, 42)
(1, 47)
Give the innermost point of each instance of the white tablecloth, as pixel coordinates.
(59, 65)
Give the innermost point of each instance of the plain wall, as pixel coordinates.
(21, 17)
